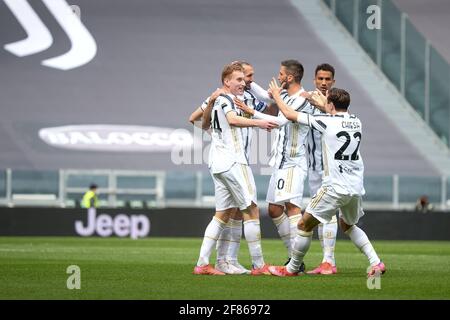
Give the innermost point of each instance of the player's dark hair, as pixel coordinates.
(294, 68)
(325, 67)
(339, 97)
(93, 186)
(229, 69)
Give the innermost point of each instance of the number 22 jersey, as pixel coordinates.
(343, 167)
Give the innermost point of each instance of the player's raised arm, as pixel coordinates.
(196, 115)
(292, 115)
(264, 96)
(260, 93)
(317, 99)
(206, 120)
(275, 90)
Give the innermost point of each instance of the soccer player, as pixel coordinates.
(229, 241)
(327, 232)
(342, 184)
(232, 176)
(289, 155)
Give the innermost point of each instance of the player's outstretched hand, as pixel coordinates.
(318, 99)
(267, 125)
(306, 94)
(274, 88)
(241, 105)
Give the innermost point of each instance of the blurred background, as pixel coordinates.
(105, 97)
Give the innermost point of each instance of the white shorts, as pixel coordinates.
(326, 202)
(234, 188)
(314, 181)
(286, 185)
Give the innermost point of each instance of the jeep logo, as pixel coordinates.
(135, 226)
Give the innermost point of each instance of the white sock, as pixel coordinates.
(293, 221)
(361, 241)
(329, 242)
(283, 227)
(235, 240)
(320, 234)
(212, 233)
(252, 233)
(302, 241)
(223, 242)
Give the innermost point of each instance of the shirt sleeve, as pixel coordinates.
(302, 105)
(315, 122)
(260, 106)
(225, 104)
(260, 93)
(280, 120)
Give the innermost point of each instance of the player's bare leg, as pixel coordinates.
(362, 242)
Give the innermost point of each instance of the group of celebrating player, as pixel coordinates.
(316, 138)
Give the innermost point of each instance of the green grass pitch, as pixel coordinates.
(161, 268)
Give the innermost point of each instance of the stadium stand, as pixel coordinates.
(431, 19)
(156, 62)
(398, 77)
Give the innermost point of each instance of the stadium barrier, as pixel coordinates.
(190, 222)
(187, 189)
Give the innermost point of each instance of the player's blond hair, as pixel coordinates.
(229, 69)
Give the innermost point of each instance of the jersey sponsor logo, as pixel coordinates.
(83, 46)
(117, 138)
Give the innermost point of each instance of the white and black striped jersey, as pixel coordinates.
(289, 148)
(251, 101)
(341, 139)
(315, 159)
(227, 145)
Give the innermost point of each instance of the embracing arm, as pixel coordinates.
(300, 117)
(237, 121)
(206, 121)
(196, 115)
(280, 120)
(260, 93)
